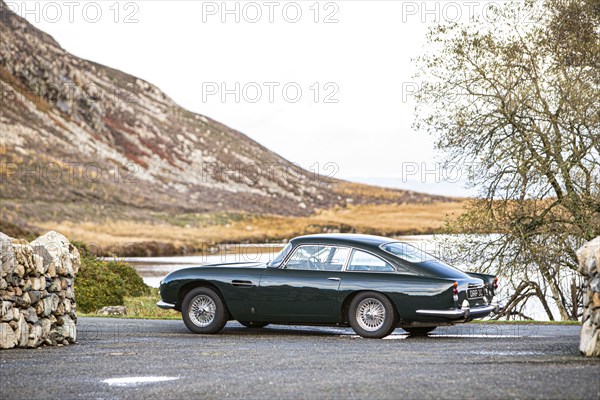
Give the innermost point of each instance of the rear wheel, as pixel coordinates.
(253, 324)
(419, 330)
(203, 311)
(372, 315)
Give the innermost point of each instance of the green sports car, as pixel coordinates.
(373, 284)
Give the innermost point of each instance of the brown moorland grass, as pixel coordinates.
(384, 219)
(389, 195)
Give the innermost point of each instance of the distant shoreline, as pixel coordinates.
(194, 234)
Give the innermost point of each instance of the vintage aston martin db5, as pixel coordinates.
(373, 284)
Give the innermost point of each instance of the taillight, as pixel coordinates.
(455, 290)
(496, 282)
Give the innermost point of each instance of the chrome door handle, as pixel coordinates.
(333, 278)
(240, 283)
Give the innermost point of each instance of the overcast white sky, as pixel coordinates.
(360, 57)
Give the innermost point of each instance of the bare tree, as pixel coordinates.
(518, 100)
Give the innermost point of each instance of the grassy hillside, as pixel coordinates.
(189, 233)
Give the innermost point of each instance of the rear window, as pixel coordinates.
(363, 261)
(422, 260)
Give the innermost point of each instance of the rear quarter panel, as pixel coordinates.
(408, 293)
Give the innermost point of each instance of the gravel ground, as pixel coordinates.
(113, 357)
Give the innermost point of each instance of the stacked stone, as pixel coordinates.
(37, 299)
(589, 267)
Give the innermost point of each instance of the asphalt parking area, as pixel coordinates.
(123, 358)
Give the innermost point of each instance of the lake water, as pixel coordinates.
(153, 269)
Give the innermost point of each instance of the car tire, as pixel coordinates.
(372, 315)
(419, 330)
(203, 311)
(253, 324)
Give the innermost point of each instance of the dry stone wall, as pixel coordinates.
(37, 299)
(589, 267)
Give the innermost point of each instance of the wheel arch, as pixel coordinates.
(346, 304)
(186, 288)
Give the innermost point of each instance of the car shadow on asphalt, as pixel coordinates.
(118, 329)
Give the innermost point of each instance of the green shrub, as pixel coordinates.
(104, 283)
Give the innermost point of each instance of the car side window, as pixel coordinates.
(318, 257)
(363, 261)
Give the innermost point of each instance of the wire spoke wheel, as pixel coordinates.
(202, 310)
(370, 314)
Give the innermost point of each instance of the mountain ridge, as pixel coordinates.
(83, 141)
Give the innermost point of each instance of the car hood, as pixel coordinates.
(190, 271)
(236, 265)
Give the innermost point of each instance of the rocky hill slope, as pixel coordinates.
(80, 140)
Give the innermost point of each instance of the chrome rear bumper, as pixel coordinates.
(465, 312)
(165, 306)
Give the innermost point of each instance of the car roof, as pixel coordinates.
(349, 239)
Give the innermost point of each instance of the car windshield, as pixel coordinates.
(281, 256)
(423, 260)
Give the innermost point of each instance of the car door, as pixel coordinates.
(305, 287)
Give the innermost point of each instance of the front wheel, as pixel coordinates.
(203, 311)
(419, 330)
(372, 315)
